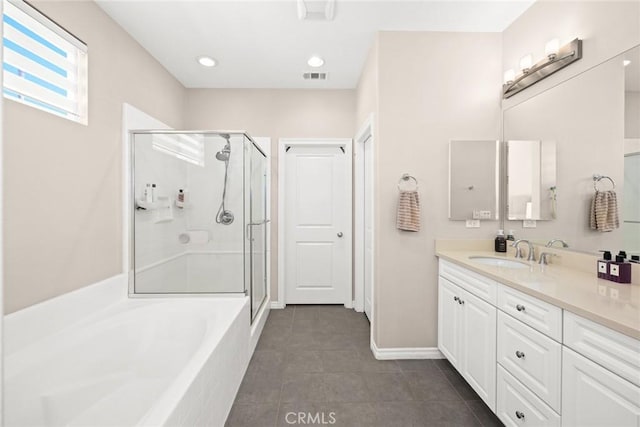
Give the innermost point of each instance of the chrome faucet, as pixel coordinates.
(544, 258)
(552, 241)
(532, 254)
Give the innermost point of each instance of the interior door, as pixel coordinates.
(317, 224)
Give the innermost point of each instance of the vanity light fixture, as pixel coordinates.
(206, 61)
(557, 57)
(315, 61)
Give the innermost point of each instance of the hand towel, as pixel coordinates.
(408, 211)
(604, 211)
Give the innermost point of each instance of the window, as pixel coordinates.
(44, 66)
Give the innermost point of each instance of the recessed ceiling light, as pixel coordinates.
(626, 62)
(315, 61)
(207, 61)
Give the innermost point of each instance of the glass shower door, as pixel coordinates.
(258, 230)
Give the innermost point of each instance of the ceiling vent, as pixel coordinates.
(314, 75)
(316, 10)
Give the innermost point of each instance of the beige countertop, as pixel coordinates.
(614, 305)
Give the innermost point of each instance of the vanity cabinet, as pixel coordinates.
(467, 337)
(532, 362)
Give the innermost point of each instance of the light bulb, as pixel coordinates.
(206, 61)
(525, 63)
(315, 61)
(509, 76)
(551, 49)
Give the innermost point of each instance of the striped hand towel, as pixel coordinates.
(604, 211)
(408, 211)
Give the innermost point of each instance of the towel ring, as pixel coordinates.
(597, 178)
(406, 177)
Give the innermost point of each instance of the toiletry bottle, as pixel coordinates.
(635, 258)
(153, 193)
(148, 195)
(510, 235)
(603, 265)
(500, 242)
(620, 271)
(180, 199)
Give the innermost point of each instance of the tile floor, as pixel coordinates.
(316, 360)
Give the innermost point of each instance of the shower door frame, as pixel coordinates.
(130, 206)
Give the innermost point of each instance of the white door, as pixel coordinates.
(368, 226)
(478, 326)
(318, 223)
(594, 396)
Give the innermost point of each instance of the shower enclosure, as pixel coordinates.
(199, 222)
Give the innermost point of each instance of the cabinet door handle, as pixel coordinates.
(519, 354)
(520, 307)
(520, 415)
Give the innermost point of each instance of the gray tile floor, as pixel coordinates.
(315, 359)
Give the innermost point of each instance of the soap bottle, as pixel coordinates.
(635, 258)
(620, 271)
(510, 236)
(500, 242)
(603, 265)
(148, 195)
(180, 199)
(153, 193)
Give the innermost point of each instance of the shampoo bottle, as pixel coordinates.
(603, 265)
(620, 271)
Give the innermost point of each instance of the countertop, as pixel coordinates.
(614, 305)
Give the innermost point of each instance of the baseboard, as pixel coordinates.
(405, 353)
(277, 305)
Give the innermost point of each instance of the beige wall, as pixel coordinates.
(426, 97)
(607, 28)
(63, 180)
(273, 113)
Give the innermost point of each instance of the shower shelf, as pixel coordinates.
(162, 203)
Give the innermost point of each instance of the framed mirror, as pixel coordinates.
(474, 180)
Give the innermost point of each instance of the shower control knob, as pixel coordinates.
(340, 234)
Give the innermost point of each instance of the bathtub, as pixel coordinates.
(146, 362)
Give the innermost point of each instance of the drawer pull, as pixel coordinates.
(520, 307)
(520, 415)
(519, 354)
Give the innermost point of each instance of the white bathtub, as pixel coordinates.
(151, 362)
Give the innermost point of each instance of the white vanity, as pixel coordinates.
(542, 345)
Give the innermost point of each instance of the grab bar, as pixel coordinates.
(251, 224)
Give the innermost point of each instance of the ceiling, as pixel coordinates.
(263, 44)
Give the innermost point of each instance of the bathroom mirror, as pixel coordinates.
(531, 180)
(594, 120)
(473, 180)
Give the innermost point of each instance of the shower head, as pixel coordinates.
(224, 154)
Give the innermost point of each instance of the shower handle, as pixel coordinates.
(251, 224)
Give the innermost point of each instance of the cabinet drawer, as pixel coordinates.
(615, 351)
(517, 406)
(531, 357)
(540, 315)
(474, 283)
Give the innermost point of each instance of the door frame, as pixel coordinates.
(283, 143)
(366, 133)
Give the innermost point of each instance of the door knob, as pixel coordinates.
(340, 234)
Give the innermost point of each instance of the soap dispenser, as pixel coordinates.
(500, 242)
(620, 270)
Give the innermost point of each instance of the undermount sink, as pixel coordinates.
(498, 262)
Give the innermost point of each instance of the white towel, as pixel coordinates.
(408, 211)
(604, 211)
